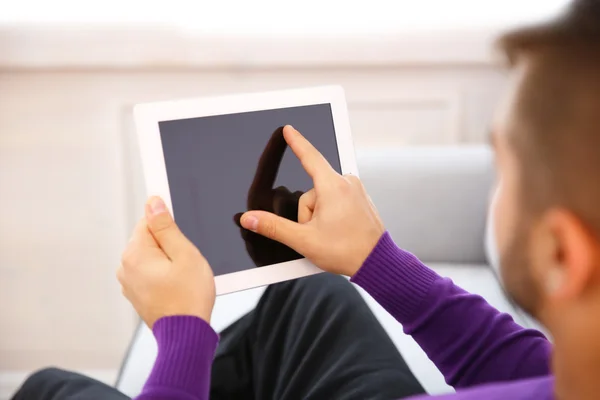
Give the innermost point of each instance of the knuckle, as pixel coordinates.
(125, 292)
(303, 201)
(126, 258)
(163, 223)
(343, 185)
(130, 257)
(270, 229)
(120, 274)
(160, 227)
(355, 180)
(192, 256)
(305, 197)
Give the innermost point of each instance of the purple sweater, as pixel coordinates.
(481, 352)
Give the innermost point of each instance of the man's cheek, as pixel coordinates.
(498, 217)
(504, 216)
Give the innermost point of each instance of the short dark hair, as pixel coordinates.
(556, 131)
(578, 25)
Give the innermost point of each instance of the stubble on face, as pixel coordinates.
(513, 221)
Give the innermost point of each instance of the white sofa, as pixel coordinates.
(434, 202)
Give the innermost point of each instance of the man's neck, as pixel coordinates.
(576, 359)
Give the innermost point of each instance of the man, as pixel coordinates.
(547, 217)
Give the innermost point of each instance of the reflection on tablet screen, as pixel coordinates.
(223, 165)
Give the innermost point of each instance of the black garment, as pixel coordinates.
(56, 384)
(312, 338)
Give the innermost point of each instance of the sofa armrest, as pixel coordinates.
(433, 200)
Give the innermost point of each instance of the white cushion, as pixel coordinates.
(433, 200)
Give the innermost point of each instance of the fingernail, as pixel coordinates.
(251, 223)
(157, 206)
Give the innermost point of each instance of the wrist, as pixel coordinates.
(202, 312)
(198, 305)
(363, 252)
(205, 314)
(187, 310)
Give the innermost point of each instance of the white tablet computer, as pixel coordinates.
(213, 158)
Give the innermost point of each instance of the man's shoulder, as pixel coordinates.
(527, 389)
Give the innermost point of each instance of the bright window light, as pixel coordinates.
(306, 18)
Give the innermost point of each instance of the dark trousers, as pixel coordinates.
(312, 338)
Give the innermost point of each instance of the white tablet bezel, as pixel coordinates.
(148, 116)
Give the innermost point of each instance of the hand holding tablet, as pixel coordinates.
(162, 273)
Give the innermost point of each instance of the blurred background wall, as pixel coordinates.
(415, 73)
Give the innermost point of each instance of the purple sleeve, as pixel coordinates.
(468, 340)
(186, 347)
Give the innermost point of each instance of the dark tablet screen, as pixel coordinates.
(212, 163)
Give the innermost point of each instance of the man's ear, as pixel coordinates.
(566, 255)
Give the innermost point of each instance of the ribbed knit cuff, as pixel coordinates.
(186, 348)
(396, 279)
